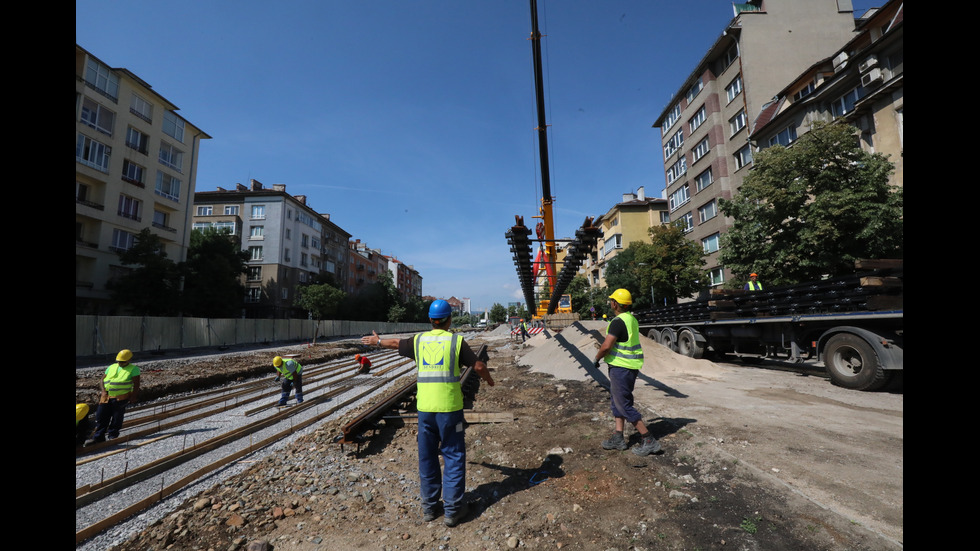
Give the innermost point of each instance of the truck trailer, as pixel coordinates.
(853, 324)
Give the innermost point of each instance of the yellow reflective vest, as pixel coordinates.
(627, 354)
(118, 380)
(437, 358)
(290, 367)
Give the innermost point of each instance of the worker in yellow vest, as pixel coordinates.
(120, 387)
(439, 356)
(290, 371)
(624, 356)
(754, 284)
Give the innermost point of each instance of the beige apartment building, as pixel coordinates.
(861, 84)
(705, 128)
(289, 243)
(624, 223)
(134, 154)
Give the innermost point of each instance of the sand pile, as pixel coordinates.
(569, 355)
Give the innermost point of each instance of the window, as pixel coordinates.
(845, 104)
(716, 276)
(288, 234)
(305, 241)
(257, 232)
(315, 242)
(160, 219)
(97, 116)
(92, 153)
(694, 90)
(173, 126)
(171, 156)
(141, 108)
(168, 186)
(737, 122)
(734, 88)
(785, 137)
(122, 240)
(697, 120)
(806, 91)
(703, 180)
(708, 211)
(685, 222)
(303, 259)
(672, 117)
(101, 78)
(254, 294)
(710, 243)
(255, 273)
(613, 242)
(226, 226)
(205, 210)
(231, 210)
(673, 144)
(133, 173)
(255, 253)
(700, 150)
(730, 56)
(129, 207)
(743, 157)
(137, 140)
(679, 197)
(258, 212)
(664, 217)
(677, 170)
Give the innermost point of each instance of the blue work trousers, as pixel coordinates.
(109, 418)
(288, 384)
(621, 381)
(442, 433)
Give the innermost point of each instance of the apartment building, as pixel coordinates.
(133, 152)
(407, 279)
(705, 128)
(624, 223)
(289, 243)
(861, 84)
(365, 266)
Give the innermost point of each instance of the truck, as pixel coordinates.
(852, 323)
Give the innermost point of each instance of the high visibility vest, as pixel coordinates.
(627, 354)
(118, 379)
(755, 286)
(289, 368)
(437, 358)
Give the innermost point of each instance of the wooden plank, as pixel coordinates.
(879, 281)
(878, 263)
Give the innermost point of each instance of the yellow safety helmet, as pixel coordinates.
(124, 355)
(277, 361)
(81, 410)
(622, 296)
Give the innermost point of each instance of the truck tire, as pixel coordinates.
(654, 335)
(852, 363)
(688, 345)
(668, 338)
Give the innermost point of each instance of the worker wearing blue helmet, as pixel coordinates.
(439, 356)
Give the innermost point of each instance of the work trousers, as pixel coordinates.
(621, 382)
(109, 418)
(442, 433)
(288, 384)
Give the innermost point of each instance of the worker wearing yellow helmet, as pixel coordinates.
(291, 373)
(83, 425)
(120, 387)
(624, 355)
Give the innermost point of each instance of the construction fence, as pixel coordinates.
(99, 335)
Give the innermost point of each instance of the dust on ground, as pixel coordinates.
(753, 459)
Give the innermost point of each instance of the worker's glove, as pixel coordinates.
(596, 363)
(277, 379)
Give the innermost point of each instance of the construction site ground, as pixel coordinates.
(755, 457)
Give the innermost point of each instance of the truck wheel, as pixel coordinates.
(852, 363)
(669, 339)
(654, 335)
(688, 345)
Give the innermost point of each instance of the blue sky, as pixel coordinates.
(412, 122)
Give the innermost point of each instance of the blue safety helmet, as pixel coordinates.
(439, 309)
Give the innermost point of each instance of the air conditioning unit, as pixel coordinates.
(840, 61)
(871, 77)
(868, 63)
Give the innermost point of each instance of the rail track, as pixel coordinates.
(171, 445)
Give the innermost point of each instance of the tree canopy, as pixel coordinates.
(812, 209)
(667, 268)
(151, 287)
(212, 274)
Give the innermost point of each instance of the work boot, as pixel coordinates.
(615, 442)
(648, 445)
(96, 440)
(455, 519)
(432, 514)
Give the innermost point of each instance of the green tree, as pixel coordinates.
(585, 297)
(812, 209)
(321, 300)
(152, 286)
(498, 314)
(212, 274)
(667, 268)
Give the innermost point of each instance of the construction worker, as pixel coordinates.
(523, 330)
(624, 356)
(120, 387)
(291, 373)
(754, 284)
(83, 425)
(439, 355)
(364, 362)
